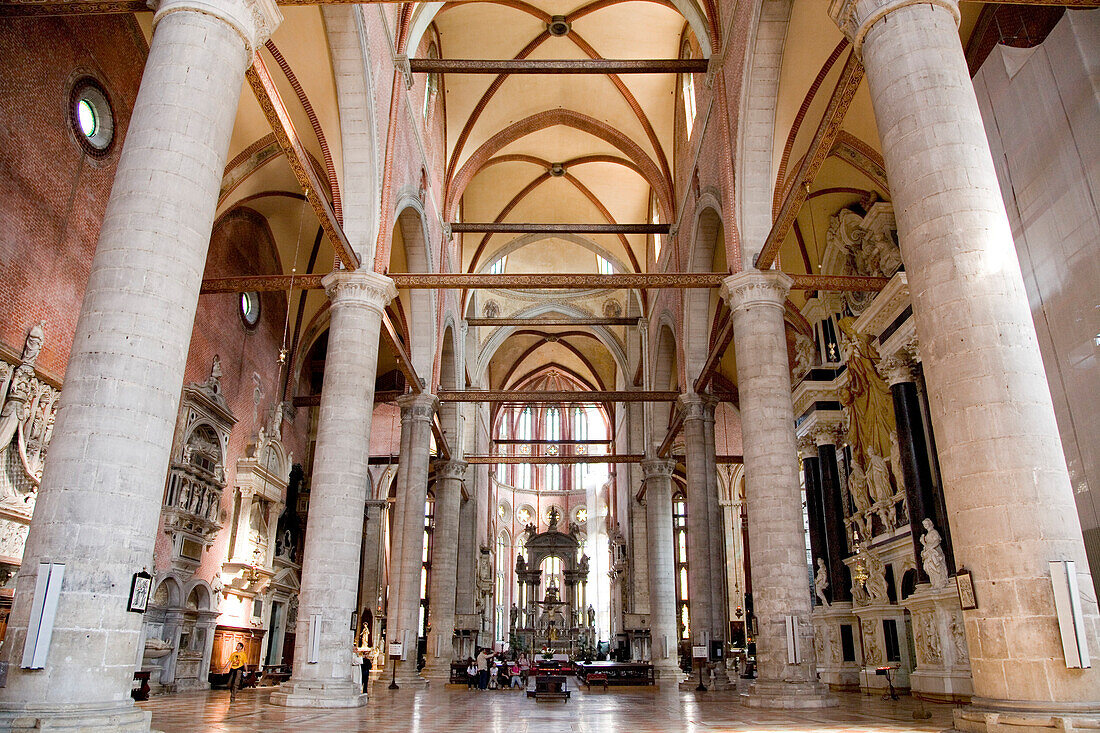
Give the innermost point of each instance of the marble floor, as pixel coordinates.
(457, 710)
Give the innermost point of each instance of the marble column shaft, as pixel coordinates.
(412, 493)
(662, 567)
(700, 556)
(334, 528)
(100, 497)
(772, 492)
(444, 574)
(921, 497)
(819, 545)
(833, 506)
(1004, 473)
(719, 600)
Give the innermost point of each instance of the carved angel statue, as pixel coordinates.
(931, 555)
(821, 582)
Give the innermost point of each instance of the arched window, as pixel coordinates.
(504, 558)
(552, 573)
(426, 564)
(431, 86)
(679, 537)
(687, 89)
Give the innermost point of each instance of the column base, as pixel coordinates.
(668, 674)
(436, 672)
(1024, 716)
(318, 694)
(788, 696)
(75, 718)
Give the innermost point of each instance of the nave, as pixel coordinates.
(440, 709)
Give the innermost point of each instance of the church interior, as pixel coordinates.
(687, 364)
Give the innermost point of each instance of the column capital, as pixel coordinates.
(901, 366)
(755, 288)
(828, 433)
(359, 287)
(453, 470)
(698, 406)
(378, 504)
(253, 20)
(807, 446)
(855, 17)
(657, 468)
(420, 407)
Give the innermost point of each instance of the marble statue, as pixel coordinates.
(521, 563)
(821, 582)
(513, 617)
(876, 577)
(591, 616)
(857, 488)
(803, 356)
(931, 555)
(882, 493)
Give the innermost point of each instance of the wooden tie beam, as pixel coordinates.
(552, 321)
(531, 228)
(548, 281)
(555, 460)
(558, 66)
(546, 441)
(564, 396)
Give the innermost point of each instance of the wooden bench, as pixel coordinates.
(549, 687)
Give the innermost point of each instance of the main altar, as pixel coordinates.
(557, 618)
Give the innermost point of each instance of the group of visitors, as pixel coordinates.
(488, 672)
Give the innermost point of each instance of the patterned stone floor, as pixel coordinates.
(461, 711)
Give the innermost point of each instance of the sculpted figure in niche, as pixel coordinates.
(803, 355)
(821, 582)
(931, 555)
(867, 399)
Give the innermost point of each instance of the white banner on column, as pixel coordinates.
(314, 638)
(794, 643)
(1071, 623)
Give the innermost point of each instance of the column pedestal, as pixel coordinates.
(787, 670)
(101, 493)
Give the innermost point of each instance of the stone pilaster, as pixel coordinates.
(323, 675)
(100, 496)
(441, 612)
(403, 611)
(662, 569)
(773, 495)
(697, 411)
(1004, 474)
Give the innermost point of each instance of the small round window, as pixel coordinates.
(250, 308)
(91, 116)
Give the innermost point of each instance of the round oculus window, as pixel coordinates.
(91, 117)
(250, 308)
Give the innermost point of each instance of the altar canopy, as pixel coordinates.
(558, 617)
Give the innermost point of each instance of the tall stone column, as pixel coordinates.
(448, 501)
(1004, 474)
(695, 409)
(100, 497)
(370, 579)
(921, 496)
(773, 496)
(405, 566)
(323, 675)
(719, 601)
(833, 505)
(662, 568)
